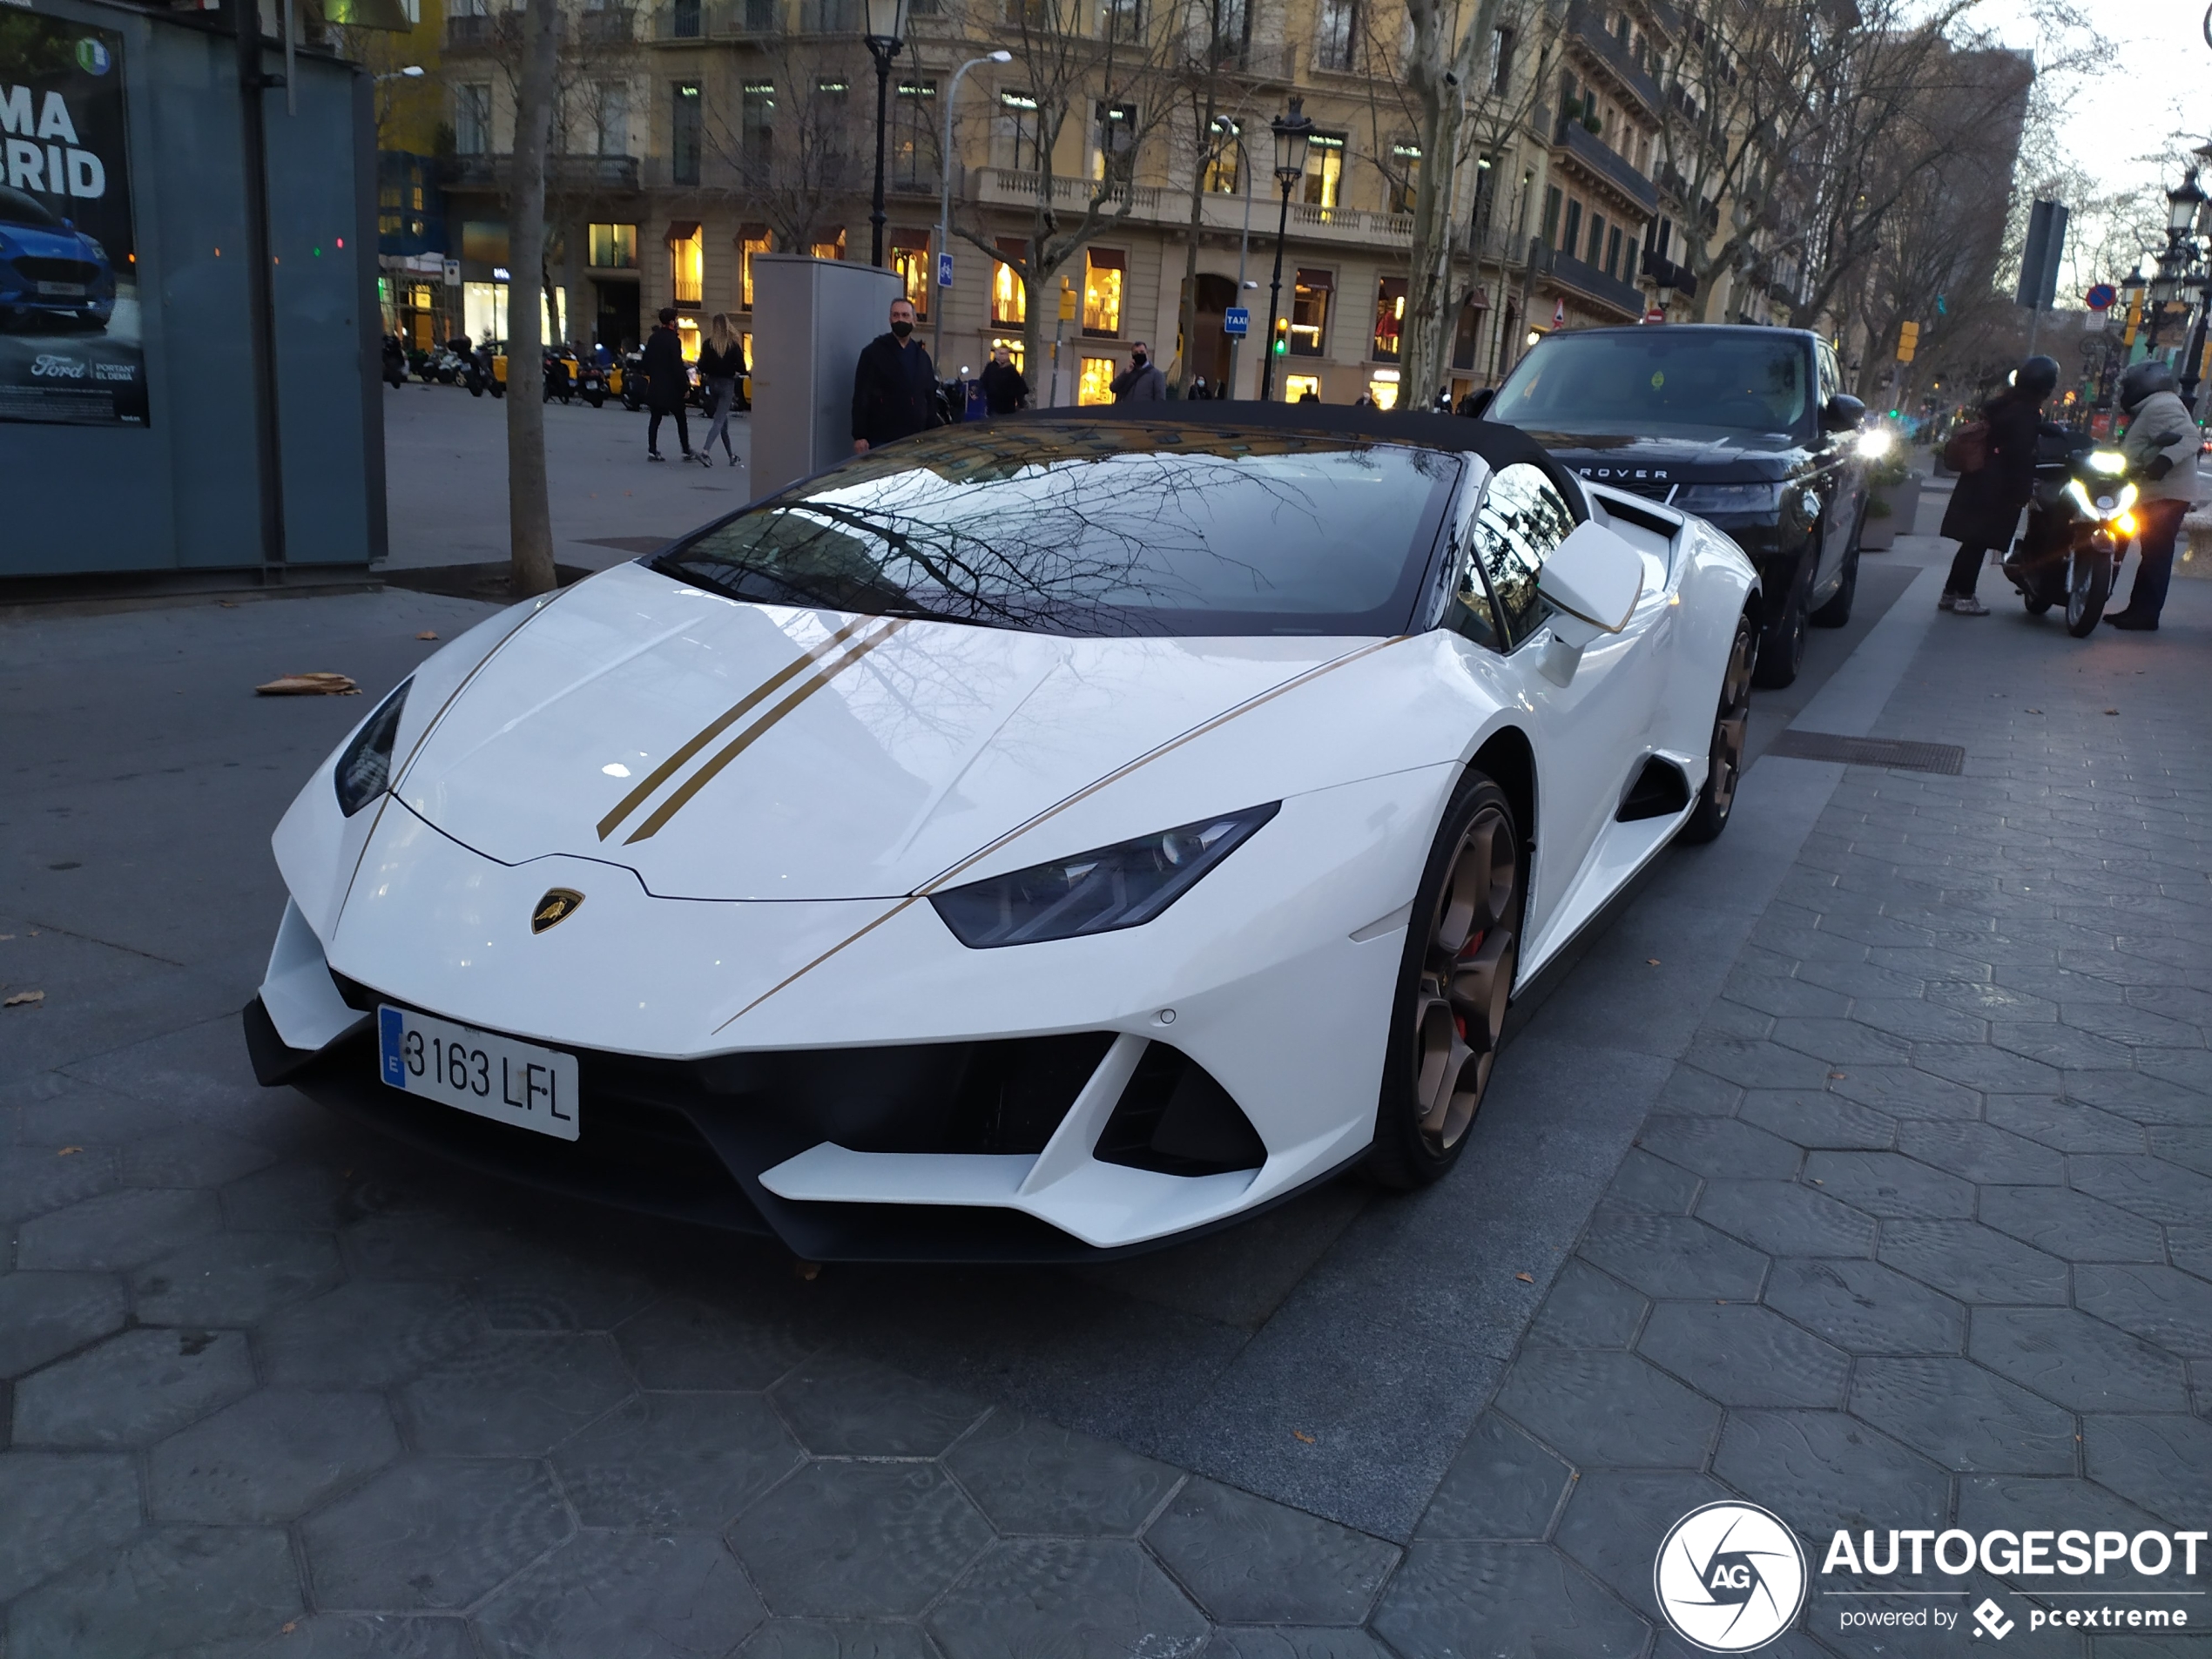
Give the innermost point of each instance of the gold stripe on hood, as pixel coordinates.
(723, 721)
(746, 738)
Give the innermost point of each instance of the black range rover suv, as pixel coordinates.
(1747, 427)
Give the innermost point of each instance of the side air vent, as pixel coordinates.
(1175, 1119)
(1659, 791)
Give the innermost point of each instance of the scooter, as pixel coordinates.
(2081, 518)
(592, 383)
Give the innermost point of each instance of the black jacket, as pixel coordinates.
(666, 378)
(1985, 505)
(1004, 390)
(894, 390)
(721, 365)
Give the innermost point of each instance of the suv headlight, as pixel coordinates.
(1726, 498)
(364, 768)
(1124, 886)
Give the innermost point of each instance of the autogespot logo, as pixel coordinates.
(1730, 1577)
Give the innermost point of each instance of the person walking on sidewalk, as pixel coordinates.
(1004, 390)
(1986, 503)
(895, 385)
(667, 381)
(720, 364)
(1142, 382)
(2160, 445)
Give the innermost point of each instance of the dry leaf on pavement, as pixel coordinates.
(428, 633)
(319, 684)
(24, 998)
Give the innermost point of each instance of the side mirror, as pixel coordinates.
(1479, 402)
(1593, 580)
(1843, 413)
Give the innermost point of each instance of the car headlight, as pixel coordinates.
(1124, 886)
(1726, 498)
(2108, 464)
(364, 769)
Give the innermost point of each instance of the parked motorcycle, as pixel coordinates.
(592, 383)
(632, 386)
(394, 362)
(2079, 521)
(559, 383)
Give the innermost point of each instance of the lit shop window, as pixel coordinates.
(1297, 386)
(1104, 273)
(1096, 383)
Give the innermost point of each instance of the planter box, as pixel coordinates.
(1903, 500)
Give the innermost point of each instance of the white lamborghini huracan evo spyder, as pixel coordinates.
(1035, 840)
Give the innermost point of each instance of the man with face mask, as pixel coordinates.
(1143, 382)
(895, 385)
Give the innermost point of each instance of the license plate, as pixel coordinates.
(62, 290)
(479, 1071)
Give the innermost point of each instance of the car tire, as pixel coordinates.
(1782, 641)
(1724, 759)
(1836, 611)
(1462, 947)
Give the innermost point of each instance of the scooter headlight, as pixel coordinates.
(2107, 463)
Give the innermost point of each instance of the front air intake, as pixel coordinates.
(1174, 1118)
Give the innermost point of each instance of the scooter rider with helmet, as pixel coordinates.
(2160, 445)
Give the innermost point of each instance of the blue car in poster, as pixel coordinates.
(51, 271)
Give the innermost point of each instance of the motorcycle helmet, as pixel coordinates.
(2144, 380)
(2037, 376)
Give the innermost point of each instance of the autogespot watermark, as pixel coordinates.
(1731, 1578)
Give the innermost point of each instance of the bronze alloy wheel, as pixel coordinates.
(1731, 722)
(1461, 951)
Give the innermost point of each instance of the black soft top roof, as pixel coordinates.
(1501, 446)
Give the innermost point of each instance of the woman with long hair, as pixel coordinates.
(721, 361)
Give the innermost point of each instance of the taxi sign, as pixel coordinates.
(1237, 321)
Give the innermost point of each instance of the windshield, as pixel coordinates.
(16, 208)
(1086, 529)
(1661, 381)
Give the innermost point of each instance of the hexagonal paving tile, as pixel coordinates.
(2066, 1125)
(844, 1406)
(860, 1540)
(1889, 1184)
(371, 1635)
(1466, 1598)
(1585, 1309)
(2164, 1192)
(1815, 1120)
(195, 1156)
(2158, 1462)
(1502, 1487)
(170, 1591)
(271, 1457)
(2081, 1363)
(1086, 1595)
(2071, 1225)
(2161, 1304)
(132, 1389)
(654, 1597)
(1980, 1153)
(1673, 1256)
(233, 1278)
(1719, 1147)
(1031, 1476)
(1614, 1520)
(1821, 1470)
(513, 1394)
(1904, 1091)
(682, 1343)
(1973, 1263)
(1786, 1219)
(839, 1639)
(58, 1506)
(366, 1335)
(119, 1229)
(1251, 1561)
(675, 1461)
(1606, 1409)
(35, 1179)
(1743, 1355)
(1964, 1416)
(44, 1316)
(433, 1532)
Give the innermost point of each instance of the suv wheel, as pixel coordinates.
(1782, 641)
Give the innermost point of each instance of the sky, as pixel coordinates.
(2158, 80)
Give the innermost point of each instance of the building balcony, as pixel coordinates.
(1590, 283)
(608, 25)
(564, 175)
(1586, 28)
(1169, 207)
(1601, 159)
(482, 33)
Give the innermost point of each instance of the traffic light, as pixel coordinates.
(1282, 335)
(1908, 341)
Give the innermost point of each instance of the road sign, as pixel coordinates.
(1237, 321)
(452, 273)
(2094, 324)
(1067, 300)
(945, 270)
(1654, 315)
(1559, 313)
(2102, 296)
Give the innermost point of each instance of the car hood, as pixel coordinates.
(1713, 456)
(723, 750)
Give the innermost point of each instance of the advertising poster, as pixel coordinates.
(70, 351)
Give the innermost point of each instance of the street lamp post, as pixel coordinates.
(1293, 130)
(887, 33)
(945, 200)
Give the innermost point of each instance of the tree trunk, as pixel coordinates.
(1187, 317)
(529, 517)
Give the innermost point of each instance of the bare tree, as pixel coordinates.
(797, 147)
(529, 514)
